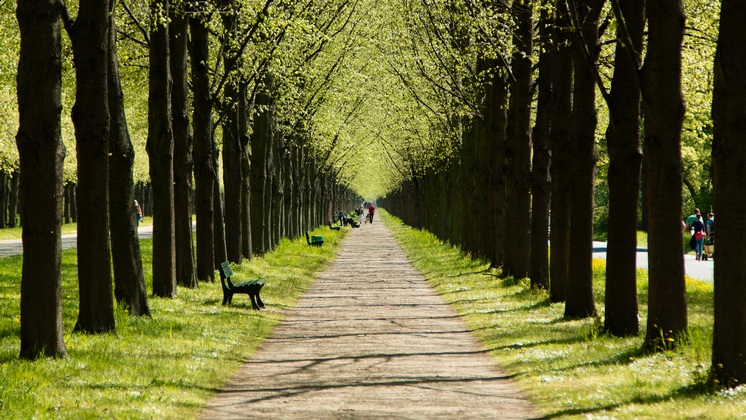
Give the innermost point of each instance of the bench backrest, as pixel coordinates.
(225, 269)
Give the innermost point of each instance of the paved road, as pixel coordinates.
(370, 339)
(701, 270)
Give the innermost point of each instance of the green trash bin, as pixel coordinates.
(316, 238)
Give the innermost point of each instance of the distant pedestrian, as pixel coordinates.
(138, 213)
(361, 214)
(698, 235)
(371, 212)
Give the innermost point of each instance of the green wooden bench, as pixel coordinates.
(251, 288)
(314, 240)
(333, 227)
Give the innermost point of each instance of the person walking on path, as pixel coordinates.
(370, 339)
(371, 212)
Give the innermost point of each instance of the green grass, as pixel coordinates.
(570, 369)
(164, 367)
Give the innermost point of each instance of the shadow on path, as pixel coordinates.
(370, 338)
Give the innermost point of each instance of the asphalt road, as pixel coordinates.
(701, 270)
(15, 246)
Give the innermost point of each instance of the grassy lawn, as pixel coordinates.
(569, 368)
(164, 367)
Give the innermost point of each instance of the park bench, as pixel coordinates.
(332, 227)
(251, 288)
(314, 240)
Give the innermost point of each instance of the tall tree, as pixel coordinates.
(559, 258)
(261, 154)
(625, 161)
(729, 158)
(232, 178)
(579, 299)
(496, 116)
(664, 114)
(204, 171)
(183, 164)
(160, 147)
(129, 279)
(540, 186)
(518, 146)
(41, 154)
(90, 115)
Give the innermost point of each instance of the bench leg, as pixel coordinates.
(254, 297)
(259, 300)
(227, 297)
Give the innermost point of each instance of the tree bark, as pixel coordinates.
(664, 114)
(90, 116)
(497, 121)
(4, 177)
(41, 154)
(204, 172)
(244, 116)
(221, 254)
(625, 161)
(579, 299)
(540, 186)
(559, 257)
(183, 164)
(518, 146)
(160, 147)
(729, 158)
(260, 182)
(129, 280)
(232, 178)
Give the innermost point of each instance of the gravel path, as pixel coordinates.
(370, 339)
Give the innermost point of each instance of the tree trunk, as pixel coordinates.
(729, 158)
(664, 114)
(244, 116)
(260, 183)
(559, 257)
(73, 203)
(540, 186)
(4, 177)
(67, 205)
(221, 254)
(204, 172)
(497, 120)
(579, 299)
(518, 146)
(41, 154)
(90, 116)
(232, 178)
(183, 163)
(625, 160)
(129, 281)
(160, 147)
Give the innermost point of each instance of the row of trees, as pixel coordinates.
(466, 114)
(247, 67)
(508, 168)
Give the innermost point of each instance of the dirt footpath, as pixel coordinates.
(370, 339)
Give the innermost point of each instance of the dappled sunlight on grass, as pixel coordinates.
(572, 368)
